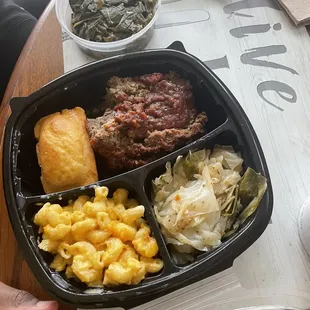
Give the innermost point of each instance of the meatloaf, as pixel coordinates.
(148, 116)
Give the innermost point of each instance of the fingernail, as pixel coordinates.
(42, 304)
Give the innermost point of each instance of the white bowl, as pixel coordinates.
(105, 49)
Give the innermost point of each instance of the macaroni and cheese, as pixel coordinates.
(100, 240)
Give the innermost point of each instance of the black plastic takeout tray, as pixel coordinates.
(227, 125)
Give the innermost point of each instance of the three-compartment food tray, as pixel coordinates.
(84, 87)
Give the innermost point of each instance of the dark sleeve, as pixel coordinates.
(34, 7)
(16, 25)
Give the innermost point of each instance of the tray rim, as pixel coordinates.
(17, 110)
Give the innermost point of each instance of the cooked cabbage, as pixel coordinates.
(202, 197)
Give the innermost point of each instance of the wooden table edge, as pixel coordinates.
(24, 80)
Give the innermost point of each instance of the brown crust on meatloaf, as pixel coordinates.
(152, 115)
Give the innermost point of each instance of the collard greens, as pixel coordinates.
(110, 20)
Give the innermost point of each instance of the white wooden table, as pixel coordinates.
(274, 270)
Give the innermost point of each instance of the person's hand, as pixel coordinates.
(11, 299)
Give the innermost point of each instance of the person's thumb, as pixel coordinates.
(11, 298)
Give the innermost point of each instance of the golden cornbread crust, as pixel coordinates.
(64, 152)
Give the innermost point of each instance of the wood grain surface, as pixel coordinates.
(40, 62)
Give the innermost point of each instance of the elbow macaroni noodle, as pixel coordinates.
(101, 241)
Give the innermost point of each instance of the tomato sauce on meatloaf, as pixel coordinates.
(150, 115)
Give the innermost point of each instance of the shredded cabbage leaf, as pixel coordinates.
(203, 198)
